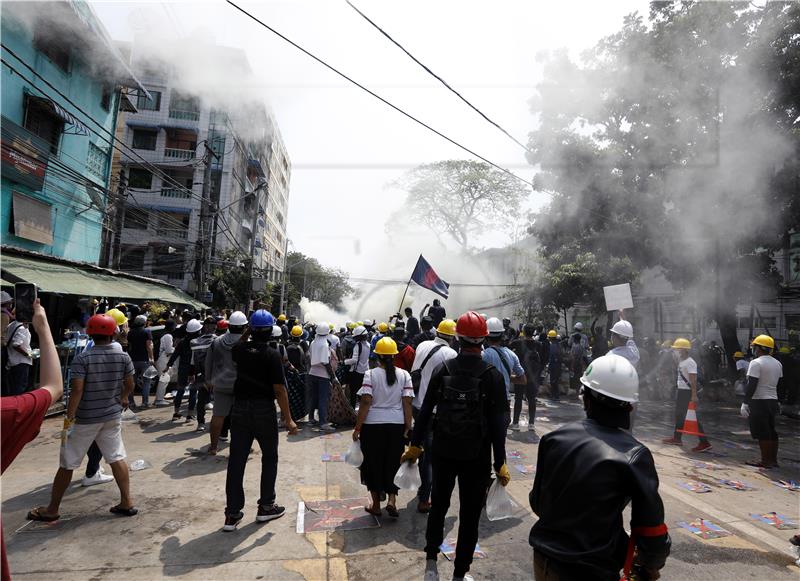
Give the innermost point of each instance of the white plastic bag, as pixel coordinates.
(499, 504)
(150, 372)
(408, 477)
(354, 455)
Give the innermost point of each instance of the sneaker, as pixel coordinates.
(232, 521)
(514, 427)
(200, 428)
(189, 418)
(161, 403)
(144, 406)
(673, 441)
(100, 477)
(176, 416)
(223, 438)
(702, 447)
(327, 428)
(209, 407)
(267, 514)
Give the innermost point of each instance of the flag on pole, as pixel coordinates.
(426, 277)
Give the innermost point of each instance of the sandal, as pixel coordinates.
(392, 511)
(212, 451)
(377, 512)
(37, 515)
(124, 511)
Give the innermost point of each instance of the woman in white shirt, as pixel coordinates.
(384, 419)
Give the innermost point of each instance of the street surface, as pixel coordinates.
(181, 498)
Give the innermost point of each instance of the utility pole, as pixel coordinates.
(282, 308)
(119, 219)
(202, 246)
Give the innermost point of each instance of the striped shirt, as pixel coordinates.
(102, 369)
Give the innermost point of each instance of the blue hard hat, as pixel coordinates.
(261, 318)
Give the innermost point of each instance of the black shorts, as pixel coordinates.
(762, 419)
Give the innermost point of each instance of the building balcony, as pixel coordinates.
(175, 153)
(181, 233)
(174, 193)
(184, 115)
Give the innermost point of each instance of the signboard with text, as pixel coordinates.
(24, 156)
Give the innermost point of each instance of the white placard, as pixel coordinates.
(618, 297)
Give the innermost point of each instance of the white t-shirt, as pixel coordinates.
(686, 367)
(359, 362)
(18, 336)
(333, 340)
(768, 370)
(742, 364)
(422, 352)
(387, 400)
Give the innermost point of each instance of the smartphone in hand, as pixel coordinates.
(25, 294)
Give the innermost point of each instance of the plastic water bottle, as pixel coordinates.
(523, 424)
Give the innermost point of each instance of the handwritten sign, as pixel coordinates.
(618, 297)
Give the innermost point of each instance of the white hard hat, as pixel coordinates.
(193, 326)
(277, 332)
(613, 376)
(238, 319)
(485, 317)
(360, 330)
(323, 328)
(494, 326)
(367, 322)
(140, 320)
(623, 328)
(5, 297)
(579, 326)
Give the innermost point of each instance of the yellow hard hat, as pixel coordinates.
(383, 327)
(330, 326)
(764, 341)
(281, 317)
(297, 331)
(551, 334)
(785, 350)
(738, 355)
(386, 346)
(351, 325)
(447, 327)
(359, 324)
(681, 344)
(118, 316)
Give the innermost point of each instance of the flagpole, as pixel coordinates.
(404, 296)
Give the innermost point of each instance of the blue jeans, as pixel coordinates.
(320, 393)
(140, 367)
(183, 379)
(252, 420)
(425, 466)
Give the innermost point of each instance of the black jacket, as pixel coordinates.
(586, 475)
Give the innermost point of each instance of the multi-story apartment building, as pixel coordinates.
(187, 146)
(62, 82)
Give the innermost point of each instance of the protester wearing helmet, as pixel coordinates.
(384, 420)
(102, 380)
(259, 383)
(528, 351)
(428, 356)
(509, 333)
(183, 350)
(405, 355)
(503, 359)
(554, 364)
(358, 362)
(321, 376)
(587, 472)
(761, 400)
(470, 428)
(622, 340)
(686, 393)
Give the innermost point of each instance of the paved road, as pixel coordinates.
(181, 498)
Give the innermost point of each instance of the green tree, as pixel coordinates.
(229, 281)
(305, 276)
(457, 199)
(673, 145)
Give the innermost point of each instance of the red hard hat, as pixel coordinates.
(101, 325)
(222, 324)
(471, 325)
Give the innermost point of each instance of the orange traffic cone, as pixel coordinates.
(690, 426)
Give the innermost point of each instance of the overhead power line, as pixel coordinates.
(437, 77)
(378, 97)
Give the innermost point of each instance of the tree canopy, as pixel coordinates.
(305, 276)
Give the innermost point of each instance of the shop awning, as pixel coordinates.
(60, 277)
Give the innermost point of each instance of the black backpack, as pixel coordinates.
(297, 356)
(460, 426)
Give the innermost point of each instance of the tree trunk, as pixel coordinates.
(726, 322)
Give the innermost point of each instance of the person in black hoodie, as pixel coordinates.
(586, 474)
(184, 350)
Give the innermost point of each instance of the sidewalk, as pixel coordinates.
(181, 499)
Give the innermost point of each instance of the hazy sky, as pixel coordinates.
(345, 146)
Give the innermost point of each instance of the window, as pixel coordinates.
(31, 219)
(140, 178)
(54, 49)
(152, 104)
(184, 107)
(105, 98)
(136, 219)
(41, 121)
(132, 258)
(144, 139)
(96, 161)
